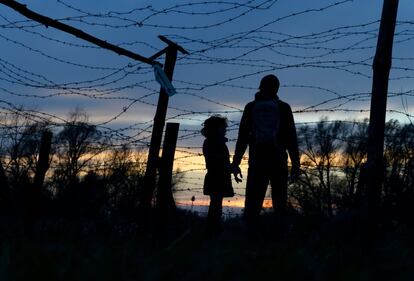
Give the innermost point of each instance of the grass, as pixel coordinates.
(311, 250)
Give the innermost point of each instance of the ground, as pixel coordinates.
(311, 249)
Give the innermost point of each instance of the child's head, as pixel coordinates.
(214, 126)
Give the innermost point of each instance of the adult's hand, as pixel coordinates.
(237, 172)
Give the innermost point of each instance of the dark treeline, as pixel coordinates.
(85, 221)
(333, 163)
(88, 178)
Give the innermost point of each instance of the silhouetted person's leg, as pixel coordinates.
(279, 185)
(257, 181)
(214, 214)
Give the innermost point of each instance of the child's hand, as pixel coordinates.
(237, 172)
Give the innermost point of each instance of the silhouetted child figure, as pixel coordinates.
(217, 182)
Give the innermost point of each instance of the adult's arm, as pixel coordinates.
(244, 133)
(292, 140)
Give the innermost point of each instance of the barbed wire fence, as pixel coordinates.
(231, 46)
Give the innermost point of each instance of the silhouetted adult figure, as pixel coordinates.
(268, 128)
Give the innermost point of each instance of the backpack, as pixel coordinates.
(266, 121)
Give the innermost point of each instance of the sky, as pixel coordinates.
(321, 50)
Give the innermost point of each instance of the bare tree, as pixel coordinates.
(125, 169)
(354, 157)
(20, 142)
(320, 147)
(76, 146)
(399, 159)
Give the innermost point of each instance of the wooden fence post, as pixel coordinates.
(3, 178)
(4, 188)
(165, 199)
(43, 161)
(34, 194)
(159, 122)
(381, 69)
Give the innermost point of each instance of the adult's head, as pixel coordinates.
(269, 85)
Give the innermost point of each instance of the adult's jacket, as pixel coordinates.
(286, 136)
